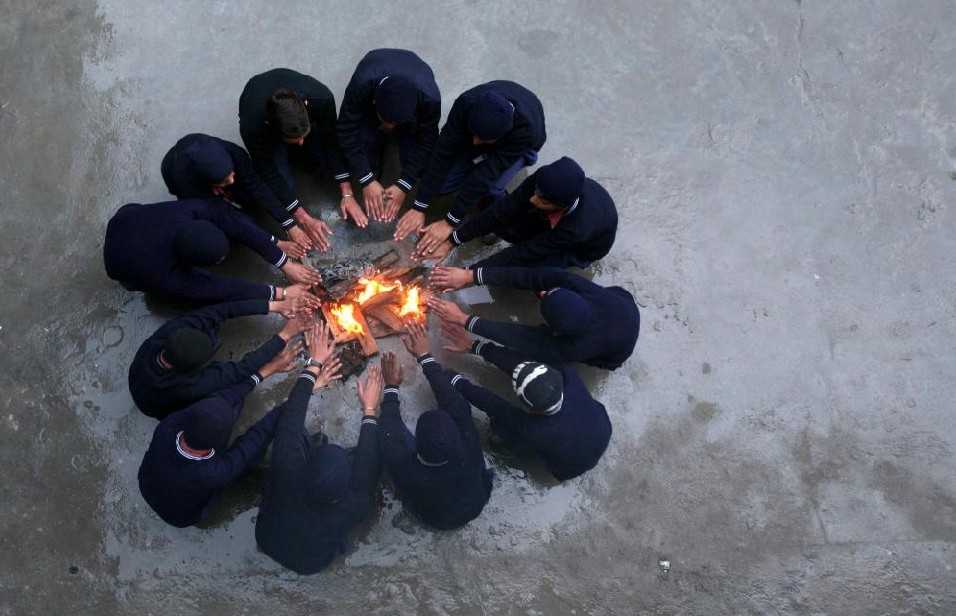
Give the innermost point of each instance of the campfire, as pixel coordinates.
(376, 306)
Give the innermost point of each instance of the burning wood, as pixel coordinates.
(389, 298)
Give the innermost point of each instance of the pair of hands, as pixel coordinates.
(382, 204)
(297, 301)
(433, 240)
(415, 339)
(392, 372)
(321, 346)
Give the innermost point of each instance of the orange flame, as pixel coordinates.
(373, 288)
(345, 316)
(410, 307)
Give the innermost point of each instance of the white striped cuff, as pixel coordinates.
(292, 205)
(369, 420)
(366, 178)
(288, 223)
(309, 376)
(342, 176)
(419, 205)
(479, 344)
(470, 323)
(455, 379)
(426, 359)
(479, 278)
(256, 378)
(390, 390)
(454, 238)
(451, 218)
(282, 260)
(404, 185)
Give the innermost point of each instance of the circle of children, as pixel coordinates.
(315, 492)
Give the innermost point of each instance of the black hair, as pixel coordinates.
(287, 113)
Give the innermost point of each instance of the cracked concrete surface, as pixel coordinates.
(784, 172)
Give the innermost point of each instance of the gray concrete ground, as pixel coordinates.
(783, 436)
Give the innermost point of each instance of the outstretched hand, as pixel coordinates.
(447, 310)
(284, 361)
(320, 342)
(351, 209)
(295, 326)
(393, 199)
(300, 239)
(372, 196)
(415, 338)
(330, 371)
(410, 222)
(459, 340)
(316, 230)
(392, 369)
(370, 393)
(291, 248)
(446, 278)
(436, 254)
(301, 274)
(431, 237)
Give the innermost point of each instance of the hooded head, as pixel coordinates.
(539, 387)
(210, 159)
(560, 183)
(208, 429)
(437, 438)
(396, 99)
(565, 311)
(199, 242)
(491, 117)
(188, 349)
(329, 474)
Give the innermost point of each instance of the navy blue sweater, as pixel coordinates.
(261, 140)
(528, 133)
(248, 190)
(139, 251)
(446, 496)
(158, 391)
(358, 108)
(606, 342)
(570, 442)
(180, 488)
(584, 234)
(294, 530)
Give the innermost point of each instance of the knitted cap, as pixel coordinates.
(396, 99)
(561, 182)
(210, 159)
(437, 438)
(329, 474)
(199, 242)
(565, 311)
(539, 387)
(491, 117)
(188, 349)
(209, 428)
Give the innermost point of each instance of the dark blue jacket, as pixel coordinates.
(527, 134)
(584, 234)
(570, 442)
(261, 140)
(139, 251)
(358, 108)
(295, 531)
(184, 181)
(607, 341)
(181, 489)
(447, 496)
(158, 391)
